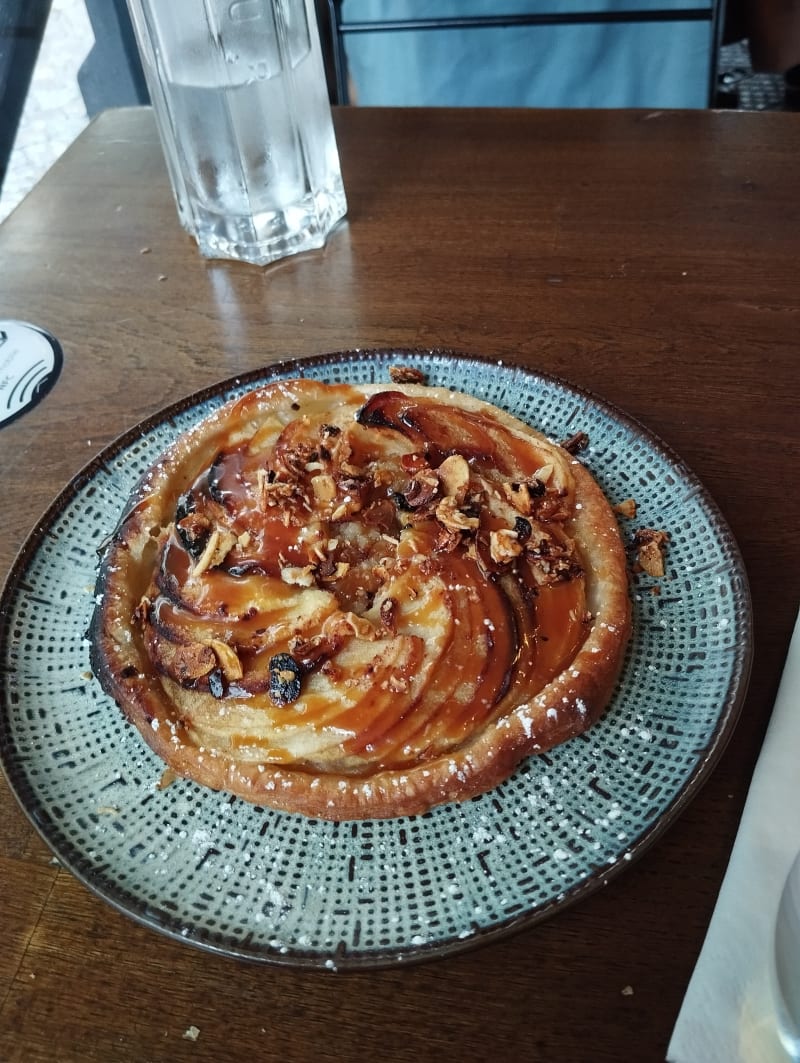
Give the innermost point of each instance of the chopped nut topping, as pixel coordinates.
(398, 684)
(322, 552)
(626, 508)
(453, 475)
(526, 497)
(388, 612)
(297, 576)
(504, 546)
(406, 374)
(317, 550)
(142, 609)
(650, 544)
(646, 535)
(575, 443)
(219, 545)
(292, 459)
(324, 487)
(338, 571)
(272, 492)
(549, 570)
(448, 513)
(228, 660)
(551, 562)
(168, 777)
(345, 625)
(447, 540)
(185, 663)
(349, 469)
(340, 452)
(423, 486)
(519, 496)
(314, 652)
(349, 505)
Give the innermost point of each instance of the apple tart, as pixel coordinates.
(355, 602)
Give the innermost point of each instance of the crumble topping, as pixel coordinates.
(650, 545)
(406, 374)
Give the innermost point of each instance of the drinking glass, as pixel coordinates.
(787, 963)
(240, 99)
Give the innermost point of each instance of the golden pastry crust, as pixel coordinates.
(361, 601)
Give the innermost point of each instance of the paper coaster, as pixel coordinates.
(30, 361)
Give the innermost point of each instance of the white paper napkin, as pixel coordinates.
(728, 1014)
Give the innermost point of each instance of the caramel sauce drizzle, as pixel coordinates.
(509, 634)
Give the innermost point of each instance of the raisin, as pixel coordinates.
(216, 684)
(186, 505)
(284, 679)
(401, 501)
(215, 474)
(523, 529)
(193, 531)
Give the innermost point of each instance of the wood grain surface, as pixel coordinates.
(651, 257)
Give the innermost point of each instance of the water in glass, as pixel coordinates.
(241, 102)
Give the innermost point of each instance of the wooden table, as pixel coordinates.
(651, 257)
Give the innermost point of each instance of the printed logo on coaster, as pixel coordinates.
(30, 361)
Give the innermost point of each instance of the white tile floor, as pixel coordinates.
(54, 111)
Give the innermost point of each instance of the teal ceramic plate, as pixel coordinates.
(269, 886)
